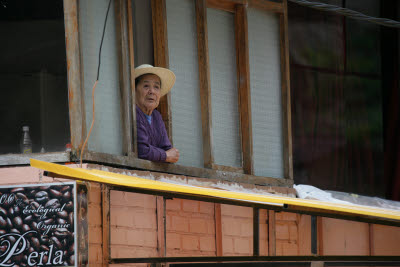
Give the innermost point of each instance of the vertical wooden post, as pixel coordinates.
(124, 74)
(133, 151)
(75, 92)
(161, 226)
(204, 79)
(243, 76)
(256, 232)
(320, 240)
(271, 233)
(105, 208)
(218, 229)
(285, 83)
(161, 58)
(314, 235)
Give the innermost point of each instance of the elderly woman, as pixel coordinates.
(152, 140)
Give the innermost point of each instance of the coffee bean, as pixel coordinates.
(15, 231)
(28, 219)
(71, 218)
(48, 221)
(66, 196)
(63, 214)
(65, 188)
(3, 222)
(3, 212)
(61, 233)
(16, 190)
(35, 242)
(9, 223)
(69, 206)
(61, 221)
(44, 247)
(53, 203)
(55, 193)
(42, 197)
(56, 242)
(18, 222)
(25, 228)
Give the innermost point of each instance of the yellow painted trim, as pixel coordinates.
(136, 182)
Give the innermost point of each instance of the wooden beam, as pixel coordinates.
(256, 231)
(121, 22)
(133, 152)
(226, 5)
(204, 79)
(161, 58)
(266, 5)
(105, 209)
(218, 229)
(24, 159)
(243, 76)
(285, 83)
(116, 160)
(271, 233)
(75, 92)
(226, 168)
(161, 226)
(320, 235)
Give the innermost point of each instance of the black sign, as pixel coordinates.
(37, 225)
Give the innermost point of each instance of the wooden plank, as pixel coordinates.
(243, 76)
(23, 159)
(161, 58)
(371, 239)
(286, 106)
(267, 5)
(161, 227)
(225, 5)
(75, 91)
(121, 22)
(320, 230)
(304, 233)
(105, 209)
(133, 151)
(256, 231)
(204, 79)
(105, 158)
(218, 229)
(226, 168)
(271, 233)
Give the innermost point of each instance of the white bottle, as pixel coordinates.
(26, 142)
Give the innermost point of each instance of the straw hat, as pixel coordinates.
(167, 77)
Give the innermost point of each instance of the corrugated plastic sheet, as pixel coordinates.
(158, 186)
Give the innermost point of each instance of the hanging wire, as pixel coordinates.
(95, 84)
(348, 13)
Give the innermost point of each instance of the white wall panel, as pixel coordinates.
(265, 83)
(224, 91)
(107, 131)
(185, 95)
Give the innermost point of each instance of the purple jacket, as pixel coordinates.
(152, 139)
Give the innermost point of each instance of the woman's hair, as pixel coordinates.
(139, 79)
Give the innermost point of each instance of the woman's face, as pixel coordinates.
(148, 92)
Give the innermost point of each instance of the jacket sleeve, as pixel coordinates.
(145, 150)
(165, 144)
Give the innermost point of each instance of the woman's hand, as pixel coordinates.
(172, 155)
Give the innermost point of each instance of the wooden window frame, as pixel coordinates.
(129, 158)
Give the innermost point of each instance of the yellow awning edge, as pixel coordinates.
(158, 186)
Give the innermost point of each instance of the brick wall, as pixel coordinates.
(237, 230)
(190, 227)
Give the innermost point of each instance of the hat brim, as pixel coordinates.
(166, 76)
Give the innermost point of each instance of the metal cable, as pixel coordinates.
(348, 13)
